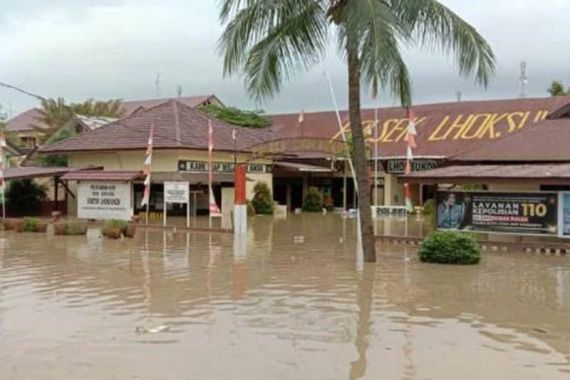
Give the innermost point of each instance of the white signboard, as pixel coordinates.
(176, 192)
(104, 200)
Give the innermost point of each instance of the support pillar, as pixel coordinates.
(240, 205)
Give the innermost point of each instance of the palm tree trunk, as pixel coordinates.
(359, 149)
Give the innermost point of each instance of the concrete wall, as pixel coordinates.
(164, 161)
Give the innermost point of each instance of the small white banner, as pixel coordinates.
(176, 192)
(104, 200)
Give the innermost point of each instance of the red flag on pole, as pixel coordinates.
(213, 207)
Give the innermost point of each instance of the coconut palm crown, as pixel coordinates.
(271, 41)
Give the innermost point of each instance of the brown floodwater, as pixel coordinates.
(292, 302)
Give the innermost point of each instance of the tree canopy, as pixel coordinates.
(235, 116)
(56, 112)
(557, 89)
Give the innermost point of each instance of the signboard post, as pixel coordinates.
(104, 200)
(499, 212)
(177, 192)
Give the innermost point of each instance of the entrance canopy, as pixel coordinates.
(552, 174)
(102, 175)
(295, 166)
(300, 146)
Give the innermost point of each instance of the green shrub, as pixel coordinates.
(250, 209)
(429, 207)
(115, 223)
(313, 200)
(25, 197)
(449, 247)
(75, 228)
(31, 224)
(262, 200)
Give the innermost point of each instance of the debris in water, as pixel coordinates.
(151, 330)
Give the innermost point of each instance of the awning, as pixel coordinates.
(192, 178)
(102, 175)
(294, 166)
(555, 174)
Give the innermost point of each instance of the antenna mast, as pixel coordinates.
(523, 79)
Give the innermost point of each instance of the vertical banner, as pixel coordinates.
(498, 212)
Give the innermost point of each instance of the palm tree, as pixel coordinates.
(272, 40)
(56, 112)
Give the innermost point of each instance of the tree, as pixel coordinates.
(25, 197)
(56, 112)
(272, 40)
(235, 116)
(557, 89)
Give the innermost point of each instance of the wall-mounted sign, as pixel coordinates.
(219, 167)
(176, 192)
(418, 165)
(104, 200)
(520, 213)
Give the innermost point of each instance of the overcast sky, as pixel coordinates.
(103, 49)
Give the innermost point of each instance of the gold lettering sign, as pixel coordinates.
(480, 126)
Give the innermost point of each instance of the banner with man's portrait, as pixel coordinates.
(500, 212)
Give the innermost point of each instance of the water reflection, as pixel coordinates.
(272, 305)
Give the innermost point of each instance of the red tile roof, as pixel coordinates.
(21, 172)
(131, 106)
(177, 126)
(102, 175)
(546, 141)
(26, 121)
(545, 173)
(29, 120)
(444, 129)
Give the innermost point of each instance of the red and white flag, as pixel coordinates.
(410, 139)
(213, 206)
(147, 169)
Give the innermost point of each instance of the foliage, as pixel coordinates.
(262, 200)
(449, 247)
(235, 116)
(269, 42)
(313, 200)
(56, 112)
(25, 197)
(250, 209)
(557, 89)
(56, 159)
(74, 227)
(429, 207)
(33, 225)
(115, 223)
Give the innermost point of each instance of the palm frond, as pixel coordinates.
(436, 26)
(380, 33)
(272, 41)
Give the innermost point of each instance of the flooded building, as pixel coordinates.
(297, 153)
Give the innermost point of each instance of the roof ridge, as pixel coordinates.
(176, 122)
